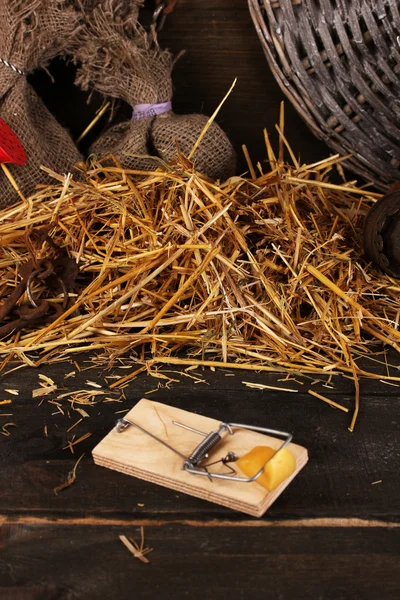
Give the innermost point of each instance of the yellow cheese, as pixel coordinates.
(279, 467)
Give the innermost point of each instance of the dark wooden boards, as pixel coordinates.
(339, 480)
(72, 562)
(332, 534)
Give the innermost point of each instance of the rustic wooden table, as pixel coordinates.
(334, 533)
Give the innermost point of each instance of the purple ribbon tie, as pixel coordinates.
(144, 111)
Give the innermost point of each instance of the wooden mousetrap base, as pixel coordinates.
(135, 453)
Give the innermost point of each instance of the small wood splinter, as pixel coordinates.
(138, 552)
(71, 477)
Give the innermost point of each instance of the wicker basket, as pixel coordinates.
(339, 63)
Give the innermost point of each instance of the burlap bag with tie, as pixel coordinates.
(133, 68)
(33, 32)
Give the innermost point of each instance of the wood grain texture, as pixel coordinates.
(66, 547)
(135, 453)
(90, 563)
(338, 481)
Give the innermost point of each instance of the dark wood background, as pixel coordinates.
(333, 534)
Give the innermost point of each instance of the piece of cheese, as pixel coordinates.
(280, 465)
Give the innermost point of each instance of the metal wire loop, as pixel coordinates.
(193, 463)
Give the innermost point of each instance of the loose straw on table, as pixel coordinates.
(261, 274)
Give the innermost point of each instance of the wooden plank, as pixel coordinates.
(135, 453)
(339, 480)
(221, 44)
(195, 561)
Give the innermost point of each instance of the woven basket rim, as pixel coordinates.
(359, 111)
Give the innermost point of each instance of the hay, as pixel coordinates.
(261, 274)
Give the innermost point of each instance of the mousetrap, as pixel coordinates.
(240, 466)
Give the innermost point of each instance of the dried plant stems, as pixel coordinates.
(138, 551)
(261, 274)
(211, 120)
(94, 121)
(11, 179)
(71, 478)
(328, 401)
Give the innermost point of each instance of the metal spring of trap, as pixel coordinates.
(194, 463)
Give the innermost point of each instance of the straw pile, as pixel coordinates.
(261, 273)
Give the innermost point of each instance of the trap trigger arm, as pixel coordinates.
(191, 465)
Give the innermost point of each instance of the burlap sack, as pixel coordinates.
(215, 155)
(128, 142)
(32, 33)
(134, 69)
(115, 65)
(123, 14)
